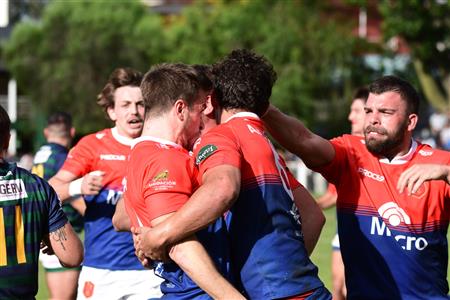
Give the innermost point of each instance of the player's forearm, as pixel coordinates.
(67, 246)
(210, 201)
(312, 218)
(294, 136)
(190, 256)
(61, 188)
(120, 220)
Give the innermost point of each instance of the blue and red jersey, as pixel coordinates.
(263, 223)
(106, 151)
(394, 245)
(160, 179)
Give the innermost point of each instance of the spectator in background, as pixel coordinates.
(327, 200)
(61, 281)
(95, 168)
(30, 212)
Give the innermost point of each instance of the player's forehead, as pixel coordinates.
(357, 104)
(127, 93)
(387, 100)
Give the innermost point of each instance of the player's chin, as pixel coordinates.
(135, 132)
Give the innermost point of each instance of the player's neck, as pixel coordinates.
(60, 141)
(160, 127)
(399, 151)
(227, 114)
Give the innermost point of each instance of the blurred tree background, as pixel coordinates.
(62, 58)
(425, 26)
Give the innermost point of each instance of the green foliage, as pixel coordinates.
(425, 25)
(63, 61)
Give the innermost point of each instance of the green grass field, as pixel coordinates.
(321, 256)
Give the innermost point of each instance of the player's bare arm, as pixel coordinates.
(312, 217)
(120, 220)
(191, 256)
(220, 188)
(416, 175)
(67, 184)
(66, 245)
(314, 150)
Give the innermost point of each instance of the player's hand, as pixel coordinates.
(413, 177)
(92, 183)
(146, 246)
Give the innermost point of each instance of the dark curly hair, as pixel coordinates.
(118, 78)
(244, 80)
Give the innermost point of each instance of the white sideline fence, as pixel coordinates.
(313, 181)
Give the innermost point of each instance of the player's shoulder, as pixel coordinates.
(25, 178)
(428, 153)
(97, 136)
(222, 131)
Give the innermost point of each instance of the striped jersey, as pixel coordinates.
(29, 210)
(394, 246)
(47, 161)
(107, 151)
(160, 179)
(264, 222)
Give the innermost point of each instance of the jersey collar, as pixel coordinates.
(120, 138)
(156, 140)
(243, 114)
(399, 160)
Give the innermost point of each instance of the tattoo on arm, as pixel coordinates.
(60, 235)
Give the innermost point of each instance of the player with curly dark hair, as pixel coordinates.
(242, 176)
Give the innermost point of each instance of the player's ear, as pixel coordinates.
(180, 109)
(412, 121)
(72, 132)
(46, 133)
(209, 110)
(111, 113)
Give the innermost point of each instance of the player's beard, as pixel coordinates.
(387, 147)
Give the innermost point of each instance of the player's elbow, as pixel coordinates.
(74, 258)
(226, 189)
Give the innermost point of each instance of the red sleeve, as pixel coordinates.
(217, 148)
(334, 170)
(167, 184)
(332, 189)
(80, 159)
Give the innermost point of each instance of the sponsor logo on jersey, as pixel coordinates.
(395, 215)
(296, 215)
(99, 135)
(371, 174)
(425, 153)
(112, 157)
(205, 152)
(161, 181)
(163, 175)
(12, 190)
